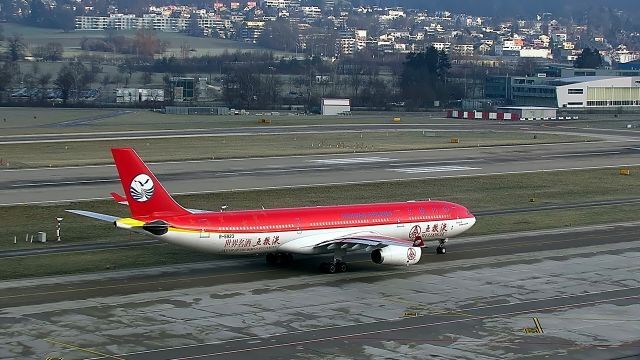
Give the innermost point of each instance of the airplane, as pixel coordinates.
(393, 233)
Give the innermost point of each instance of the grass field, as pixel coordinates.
(219, 147)
(35, 36)
(20, 120)
(25, 120)
(30, 120)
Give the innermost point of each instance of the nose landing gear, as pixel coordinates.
(440, 250)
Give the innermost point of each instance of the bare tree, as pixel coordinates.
(146, 78)
(52, 51)
(15, 48)
(66, 82)
(43, 81)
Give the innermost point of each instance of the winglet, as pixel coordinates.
(119, 198)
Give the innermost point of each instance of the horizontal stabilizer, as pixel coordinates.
(119, 198)
(95, 215)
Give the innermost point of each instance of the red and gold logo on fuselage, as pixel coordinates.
(411, 254)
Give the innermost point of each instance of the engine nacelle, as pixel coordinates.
(396, 255)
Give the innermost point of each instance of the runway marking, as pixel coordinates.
(64, 183)
(351, 160)
(583, 154)
(429, 169)
(83, 349)
(538, 326)
(528, 311)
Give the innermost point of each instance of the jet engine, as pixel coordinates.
(156, 227)
(396, 255)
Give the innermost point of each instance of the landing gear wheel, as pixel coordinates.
(342, 267)
(333, 267)
(441, 250)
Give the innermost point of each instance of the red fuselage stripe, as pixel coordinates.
(312, 218)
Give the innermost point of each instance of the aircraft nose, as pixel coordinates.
(472, 221)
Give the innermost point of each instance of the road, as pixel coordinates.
(472, 303)
(50, 185)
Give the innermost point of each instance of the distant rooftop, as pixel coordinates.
(579, 79)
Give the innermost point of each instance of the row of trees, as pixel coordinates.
(419, 80)
(258, 80)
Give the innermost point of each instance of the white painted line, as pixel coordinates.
(583, 154)
(64, 183)
(351, 160)
(227, 129)
(417, 170)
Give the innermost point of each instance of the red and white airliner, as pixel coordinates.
(394, 233)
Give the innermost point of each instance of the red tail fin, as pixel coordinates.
(145, 195)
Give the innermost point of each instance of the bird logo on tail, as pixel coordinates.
(141, 188)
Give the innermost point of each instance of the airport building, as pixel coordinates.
(137, 95)
(568, 92)
(336, 106)
(530, 112)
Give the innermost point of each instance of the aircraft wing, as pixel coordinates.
(95, 215)
(349, 241)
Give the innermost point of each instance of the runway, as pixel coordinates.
(434, 124)
(473, 303)
(50, 185)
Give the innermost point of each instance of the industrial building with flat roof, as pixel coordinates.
(336, 106)
(530, 112)
(568, 92)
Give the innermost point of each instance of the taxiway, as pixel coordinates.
(473, 303)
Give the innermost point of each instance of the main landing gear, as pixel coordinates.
(279, 258)
(337, 265)
(333, 267)
(441, 249)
